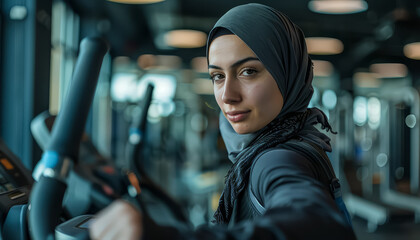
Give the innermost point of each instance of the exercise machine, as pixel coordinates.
(61, 159)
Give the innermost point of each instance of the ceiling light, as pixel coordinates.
(146, 61)
(389, 70)
(412, 50)
(338, 6)
(322, 68)
(122, 60)
(199, 64)
(324, 46)
(185, 38)
(169, 61)
(136, 1)
(164, 62)
(366, 80)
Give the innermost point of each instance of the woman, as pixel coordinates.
(276, 188)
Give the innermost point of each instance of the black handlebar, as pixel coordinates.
(139, 127)
(70, 123)
(140, 122)
(47, 194)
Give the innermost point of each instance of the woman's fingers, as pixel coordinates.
(118, 221)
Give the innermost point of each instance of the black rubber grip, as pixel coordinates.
(69, 125)
(47, 194)
(140, 122)
(45, 207)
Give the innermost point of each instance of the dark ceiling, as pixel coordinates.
(377, 34)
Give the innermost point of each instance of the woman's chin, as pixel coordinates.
(242, 129)
(245, 128)
(242, 132)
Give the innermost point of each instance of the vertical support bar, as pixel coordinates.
(25, 70)
(414, 141)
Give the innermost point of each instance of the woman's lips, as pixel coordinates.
(237, 116)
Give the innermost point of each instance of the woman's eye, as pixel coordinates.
(249, 71)
(216, 77)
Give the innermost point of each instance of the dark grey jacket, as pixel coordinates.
(295, 194)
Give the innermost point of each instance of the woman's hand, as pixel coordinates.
(120, 220)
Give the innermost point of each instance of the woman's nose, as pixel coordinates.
(231, 91)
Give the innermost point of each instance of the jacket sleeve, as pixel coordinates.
(297, 205)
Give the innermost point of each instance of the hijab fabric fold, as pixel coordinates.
(280, 46)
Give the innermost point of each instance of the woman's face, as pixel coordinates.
(245, 91)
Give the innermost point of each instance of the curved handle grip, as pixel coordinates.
(47, 194)
(140, 122)
(70, 123)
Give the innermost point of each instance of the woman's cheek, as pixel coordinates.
(218, 96)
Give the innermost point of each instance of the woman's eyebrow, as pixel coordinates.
(237, 63)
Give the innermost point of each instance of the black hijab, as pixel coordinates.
(280, 46)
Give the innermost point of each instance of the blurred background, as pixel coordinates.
(367, 75)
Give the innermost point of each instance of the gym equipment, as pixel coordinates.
(63, 148)
(398, 155)
(15, 185)
(381, 202)
(94, 173)
(358, 205)
(76, 228)
(95, 181)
